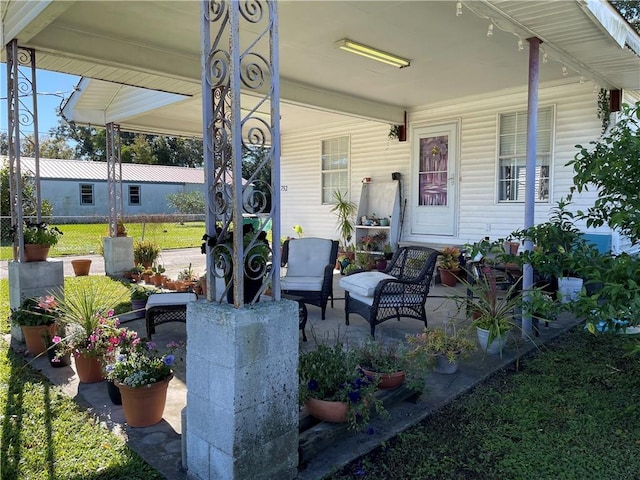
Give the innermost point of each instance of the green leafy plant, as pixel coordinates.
(86, 311)
(145, 252)
(35, 311)
(610, 166)
(345, 211)
(449, 258)
(383, 358)
(139, 363)
(140, 292)
(436, 341)
(158, 268)
(331, 373)
(38, 233)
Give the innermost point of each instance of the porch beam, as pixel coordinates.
(32, 18)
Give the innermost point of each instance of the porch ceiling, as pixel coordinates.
(156, 45)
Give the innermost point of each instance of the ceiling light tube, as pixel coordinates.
(372, 53)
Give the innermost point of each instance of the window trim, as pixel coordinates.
(347, 170)
(93, 193)
(551, 153)
(139, 195)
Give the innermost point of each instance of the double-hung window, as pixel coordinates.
(134, 194)
(335, 167)
(513, 155)
(86, 194)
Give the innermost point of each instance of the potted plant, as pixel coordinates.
(345, 211)
(333, 389)
(145, 252)
(449, 266)
(36, 318)
(142, 374)
(257, 253)
(158, 270)
(86, 313)
(38, 239)
(140, 295)
(58, 356)
(493, 315)
(444, 347)
(390, 364)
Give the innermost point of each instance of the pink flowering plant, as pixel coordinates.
(141, 363)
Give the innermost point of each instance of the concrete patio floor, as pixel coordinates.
(160, 445)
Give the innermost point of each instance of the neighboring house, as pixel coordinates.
(79, 188)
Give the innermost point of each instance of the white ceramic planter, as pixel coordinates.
(496, 346)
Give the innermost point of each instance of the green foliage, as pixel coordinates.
(186, 202)
(578, 394)
(436, 341)
(140, 363)
(345, 211)
(46, 435)
(145, 252)
(331, 373)
(84, 307)
(449, 258)
(611, 166)
(40, 233)
(32, 313)
(140, 292)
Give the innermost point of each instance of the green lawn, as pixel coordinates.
(571, 412)
(45, 435)
(82, 239)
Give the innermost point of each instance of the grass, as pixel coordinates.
(45, 435)
(83, 239)
(571, 412)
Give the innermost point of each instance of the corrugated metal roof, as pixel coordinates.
(131, 172)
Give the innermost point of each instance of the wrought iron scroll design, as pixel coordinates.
(22, 116)
(241, 115)
(114, 177)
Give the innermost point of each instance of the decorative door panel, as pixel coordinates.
(434, 180)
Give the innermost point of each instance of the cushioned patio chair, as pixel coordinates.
(166, 307)
(309, 266)
(398, 291)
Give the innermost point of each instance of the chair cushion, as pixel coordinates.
(306, 284)
(158, 299)
(308, 257)
(364, 283)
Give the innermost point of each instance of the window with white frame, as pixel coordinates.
(513, 155)
(134, 194)
(86, 194)
(335, 167)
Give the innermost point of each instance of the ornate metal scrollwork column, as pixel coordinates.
(233, 124)
(114, 177)
(21, 86)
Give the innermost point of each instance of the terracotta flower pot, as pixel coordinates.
(34, 337)
(387, 381)
(89, 369)
(81, 267)
(144, 406)
(334, 412)
(34, 252)
(448, 277)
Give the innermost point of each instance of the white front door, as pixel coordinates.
(434, 179)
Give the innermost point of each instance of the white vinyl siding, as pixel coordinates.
(513, 155)
(335, 167)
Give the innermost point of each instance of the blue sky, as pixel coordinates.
(51, 87)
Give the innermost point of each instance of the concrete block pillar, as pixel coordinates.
(242, 391)
(118, 255)
(33, 279)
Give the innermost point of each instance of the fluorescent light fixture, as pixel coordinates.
(372, 53)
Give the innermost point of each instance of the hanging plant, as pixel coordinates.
(604, 109)
(394, 132)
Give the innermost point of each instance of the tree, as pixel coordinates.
(186, 202)
(612, 167)
(55, 148)
(630, 10)
(28, 198)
